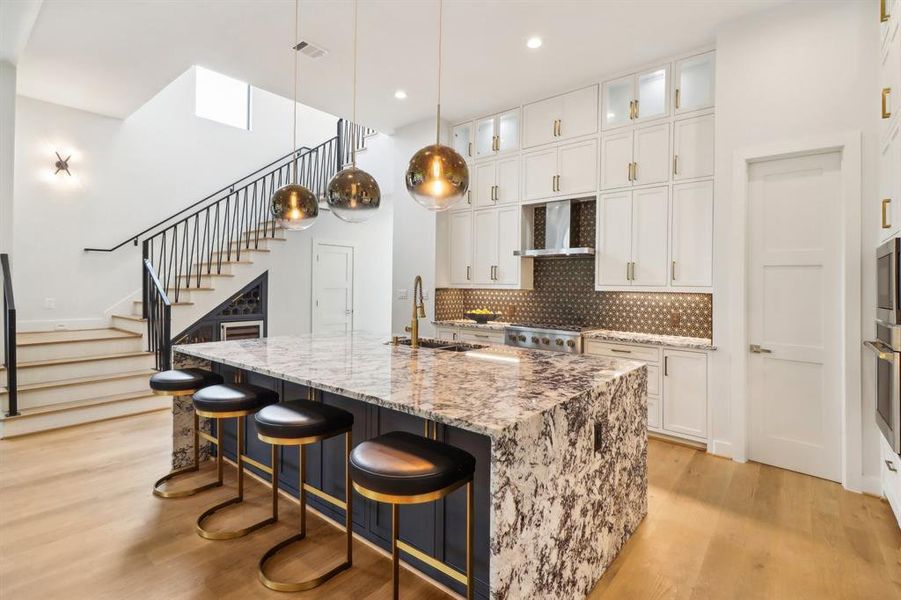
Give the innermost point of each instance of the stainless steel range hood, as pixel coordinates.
(557, 230)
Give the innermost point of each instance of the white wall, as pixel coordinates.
(7, 152)
(127, 175)
(797, 70)
(414, 233)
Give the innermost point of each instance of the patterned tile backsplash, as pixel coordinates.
(564, 293)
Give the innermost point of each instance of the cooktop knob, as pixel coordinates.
(559, 342)
(521, 338)
(545, 341)
(534, 339)
(512, 337)
(571, 343)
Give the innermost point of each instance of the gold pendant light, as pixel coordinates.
(437, 176)
(353, 194)
(293, 206)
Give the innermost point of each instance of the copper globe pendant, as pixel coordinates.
(353, 194)
(293, 206)
(437, 176)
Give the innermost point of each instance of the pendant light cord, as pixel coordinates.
(353, 122)
(294, 106)
(438, 112)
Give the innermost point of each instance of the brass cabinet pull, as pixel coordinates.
(620, 351)
(885, 204)
(677, 97)
(469, 150)
(884, 14)
(635, 171)
(555, 128)
(636, 109)
(676, 164)
(666, 366)
(673, 270)
(495, 193)
(467, 272)
(628, 278)
(631, 109)
(468, 196)
(558, 183)
(885, 112)
(559, 127)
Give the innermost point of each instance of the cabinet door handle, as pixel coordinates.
(620, 351)
(885, 94)
(628, 278)
(636, 109)
(559, 127)
(630, 171)
(631, 109)
(469, 150)
(891, 466)
(468, 196)
(885, 204)
(884, 15)
(677, 97)
(675, 164)
(673, 270)
(467, 272)
(666, 366)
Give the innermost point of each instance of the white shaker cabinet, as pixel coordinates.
(560, 118)
(635, 157)
(890, 80)
(482, 181)
(484, 249)
(507, 268)
(495, 237)
(460, 248)
(495, 182)
(694, 81)
(631, 246)
(890, 184)
(685, 393)
(563, 170)
(692, 235)
(618, 102)
(651, 102)
(693, 148)
(496, 134)
(636, 98)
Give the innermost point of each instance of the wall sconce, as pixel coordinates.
(62, 164)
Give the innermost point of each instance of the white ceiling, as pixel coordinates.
(111, 57)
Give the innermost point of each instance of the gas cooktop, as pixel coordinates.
(552, 326)
(546, 336)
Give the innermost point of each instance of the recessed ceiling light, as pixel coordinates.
(534, 42)
(400, 94)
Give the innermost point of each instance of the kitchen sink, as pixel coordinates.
(438, 344)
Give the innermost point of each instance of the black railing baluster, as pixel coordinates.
(9, 338)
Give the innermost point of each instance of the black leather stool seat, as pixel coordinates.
(232, 397)
(404, 464)
(182, 380)
(300, 419)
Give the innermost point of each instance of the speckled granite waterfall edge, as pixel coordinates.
(562, 511)
(183, 419)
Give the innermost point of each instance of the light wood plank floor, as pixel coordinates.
(77, 520)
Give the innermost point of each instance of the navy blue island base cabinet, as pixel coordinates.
(438, 529)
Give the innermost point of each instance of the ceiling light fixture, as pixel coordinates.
(62, 164)
(437, 176)
(353, 194)
(534, 42)
(400, 95)
(293, 206)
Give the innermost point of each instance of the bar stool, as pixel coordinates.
(183, 382)
(301, 423)
(226, 401)
(403, 468)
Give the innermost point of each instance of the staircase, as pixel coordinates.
(191, 261)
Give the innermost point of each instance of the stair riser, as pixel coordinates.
(48, 373)
(130, 325)
(77, 349)
(88, 414)
(81, 391)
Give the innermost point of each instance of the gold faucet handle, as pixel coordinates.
(421, 312)
(408, 329)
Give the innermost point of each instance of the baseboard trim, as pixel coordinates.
(662, 437)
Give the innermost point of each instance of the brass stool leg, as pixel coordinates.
(161, 493)
(286, 586)
(470, 525)
(231, 534)
(395, 555)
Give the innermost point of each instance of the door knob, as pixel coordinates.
(756, 349)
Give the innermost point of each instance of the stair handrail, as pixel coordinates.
(9, 337)
(158, 313)
(136, 237)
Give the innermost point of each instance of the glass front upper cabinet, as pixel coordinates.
(694, 83)
(508, 131)
(651, 94)
(484, 144)
(463, 140)
(618, 96)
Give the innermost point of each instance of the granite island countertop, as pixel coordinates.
(488, 391)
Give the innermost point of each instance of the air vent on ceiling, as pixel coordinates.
(310, 49)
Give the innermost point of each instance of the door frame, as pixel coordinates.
(315, 243)
(848, 144)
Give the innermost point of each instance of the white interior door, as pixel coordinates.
(333, 288)
(795, 313)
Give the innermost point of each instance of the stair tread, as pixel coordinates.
(194, 275)
(62, 406)
(34, 338)
(72, 360)
(81, 380)
(192, 289)
(130, 318)
(172, 303)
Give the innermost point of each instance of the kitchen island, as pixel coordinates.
(560, 443)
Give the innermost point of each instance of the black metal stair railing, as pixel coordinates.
(158, 312)
(9, 336)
